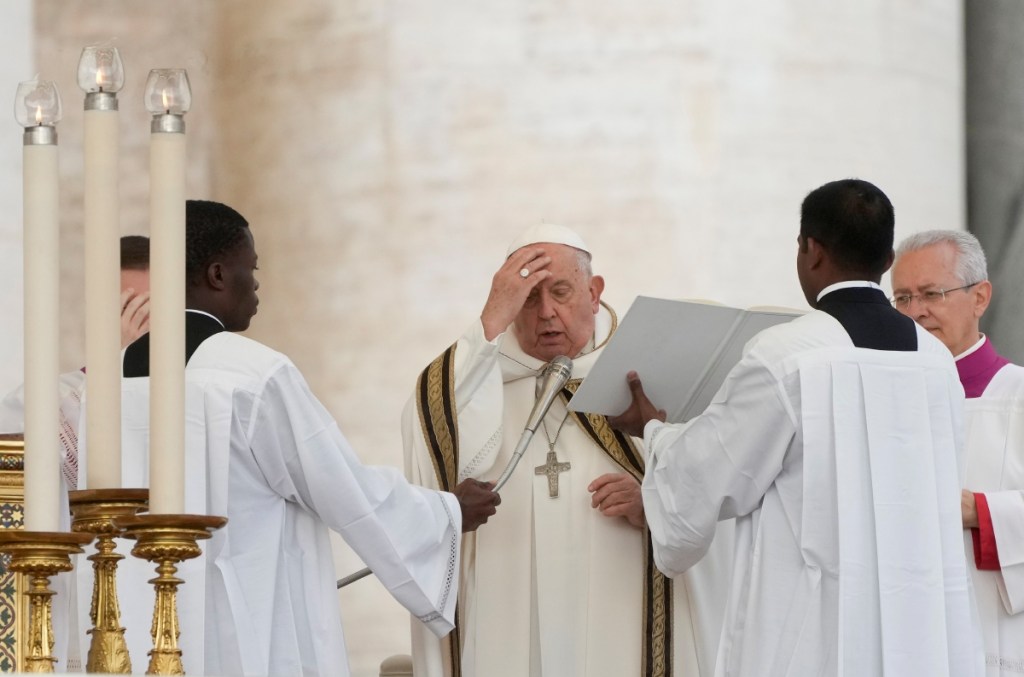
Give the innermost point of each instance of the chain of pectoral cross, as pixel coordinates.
(552, 468)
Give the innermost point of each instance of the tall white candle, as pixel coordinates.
(100, 74)
(42, 317)
(102, 299)
(167, 291)
(167, 324)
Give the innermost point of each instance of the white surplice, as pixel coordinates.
(995, 467)
(263, 451)
(70, 386)
(551, 587)
(841, 467)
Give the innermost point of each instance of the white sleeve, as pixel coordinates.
(409, 536)
(1007, 511)
(715, 467)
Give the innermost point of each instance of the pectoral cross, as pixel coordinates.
(552, 469)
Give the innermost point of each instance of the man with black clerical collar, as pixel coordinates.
(940, 279)
(262, 451)
(834, 443)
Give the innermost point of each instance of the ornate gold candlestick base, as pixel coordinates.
(94, 512)
(39, 555)
(167, 540)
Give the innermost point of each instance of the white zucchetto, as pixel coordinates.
(548, 232)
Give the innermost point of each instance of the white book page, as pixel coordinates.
(682, 351)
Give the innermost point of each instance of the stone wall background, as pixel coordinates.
(16, 66)
(385, 153)
(995, 148)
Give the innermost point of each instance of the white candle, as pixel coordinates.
(42, 316)
(168, 96)
(167, 323)
(102, 294)
(101, 75)
(42, 348)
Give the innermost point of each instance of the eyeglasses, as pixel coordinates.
(927, 298)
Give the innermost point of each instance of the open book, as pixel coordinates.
(682, 351)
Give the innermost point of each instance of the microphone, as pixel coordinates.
(556, 373)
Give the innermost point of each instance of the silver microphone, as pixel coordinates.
(556, 374)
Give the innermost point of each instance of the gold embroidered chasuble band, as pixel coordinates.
(435, 394)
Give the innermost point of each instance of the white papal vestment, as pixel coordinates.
(550, 586)
(840, 465)
(264, 452)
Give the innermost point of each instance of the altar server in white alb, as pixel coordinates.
(561, 582)
(835, 443)
(263, 451)
(940, 279)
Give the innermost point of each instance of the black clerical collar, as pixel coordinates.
(868, 317)
(848, 284)
(199, 326)
(854, 295)
(203, 312)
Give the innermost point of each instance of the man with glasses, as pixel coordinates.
(940, 279)
(835, 444)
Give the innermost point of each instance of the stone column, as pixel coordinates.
(995, 159)
(17, 65)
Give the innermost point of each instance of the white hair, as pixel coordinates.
(971, 266)
(583, 261)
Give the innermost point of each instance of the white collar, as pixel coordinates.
(972, 349)
(846, 285)
(203, 312)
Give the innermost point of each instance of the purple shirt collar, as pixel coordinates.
(978, 368)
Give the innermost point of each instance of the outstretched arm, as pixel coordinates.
(408, 535)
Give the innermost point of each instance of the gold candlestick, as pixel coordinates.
(167, 540)
(39, 555)
(94, 512)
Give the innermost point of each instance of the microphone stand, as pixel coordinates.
(556, 373)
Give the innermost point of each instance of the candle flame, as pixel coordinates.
(39, 115)
(166, 99)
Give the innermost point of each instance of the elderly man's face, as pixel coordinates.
(952, 319)
(558, 317)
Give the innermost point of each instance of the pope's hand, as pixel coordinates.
(510, 288)
(478, 502)
(618, 495)
(640, 411)
(134, 315)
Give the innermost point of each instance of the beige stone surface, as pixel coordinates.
(16, 19)
(385, 152)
